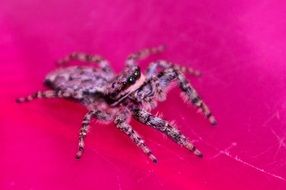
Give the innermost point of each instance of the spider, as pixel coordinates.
(111, 97)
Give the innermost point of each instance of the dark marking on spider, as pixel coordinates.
(116, 98)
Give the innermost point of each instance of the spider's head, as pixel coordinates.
(124, 84)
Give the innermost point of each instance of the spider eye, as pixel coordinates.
(131, 80)
(136, 73)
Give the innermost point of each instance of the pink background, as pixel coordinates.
(238, 45)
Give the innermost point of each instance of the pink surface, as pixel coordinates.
(238, 45)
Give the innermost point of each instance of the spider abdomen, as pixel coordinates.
(75, 79)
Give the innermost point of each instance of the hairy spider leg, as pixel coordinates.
(122, 124)
(85, 126)
(165, 127)
(152, 69)
(144, 53)
(84, 57)
(44, 94)
(189, 93)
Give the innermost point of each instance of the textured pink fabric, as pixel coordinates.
(238, 45)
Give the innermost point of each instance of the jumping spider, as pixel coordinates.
(116, 98)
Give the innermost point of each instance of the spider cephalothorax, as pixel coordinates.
(116, 98)
(123, 85)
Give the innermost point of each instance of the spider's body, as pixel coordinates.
(116, 98)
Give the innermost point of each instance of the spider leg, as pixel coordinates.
(168, 75)
(165, 127)
(85, 126)
(152, 69)
(44, 94)
(84, 57)
(122, 124)
(142, 54)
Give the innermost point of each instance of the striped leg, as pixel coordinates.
(135, 137)
(44, 94)
(190, 94)
(142, 54)
(167, 128)
(152, 69)
(84, 57)
(85, 126)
